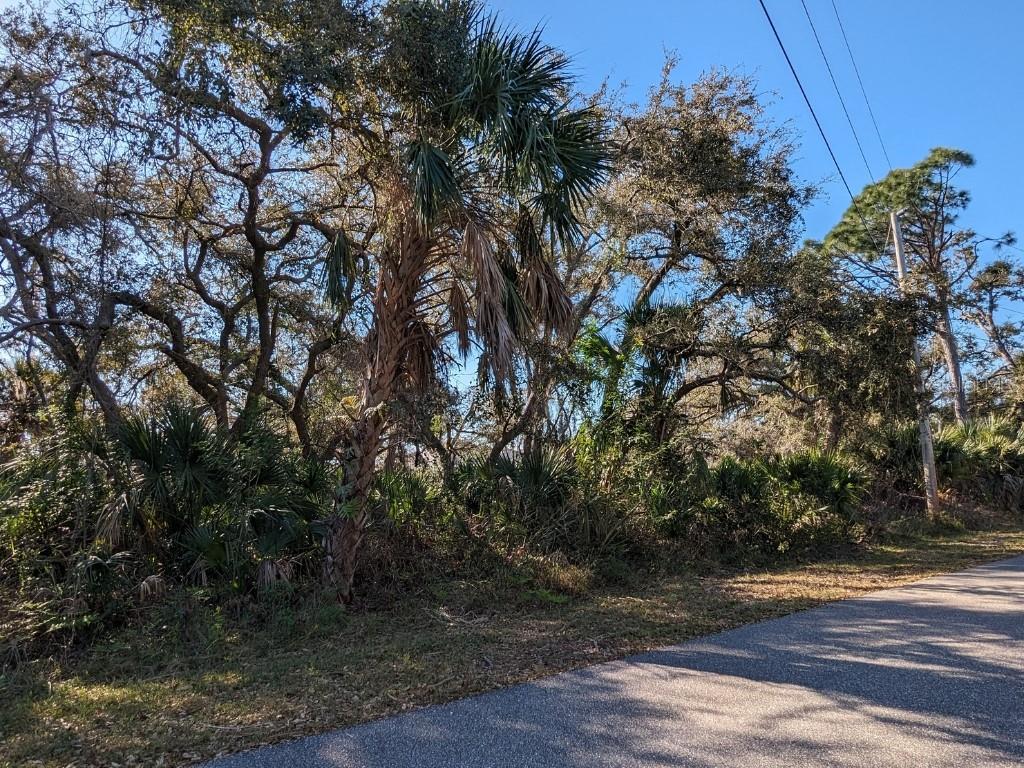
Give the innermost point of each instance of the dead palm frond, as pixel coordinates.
(491, 319)
(458, 313)
(543, 290)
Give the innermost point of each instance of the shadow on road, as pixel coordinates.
(929, 675)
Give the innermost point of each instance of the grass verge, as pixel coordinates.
(192, 681)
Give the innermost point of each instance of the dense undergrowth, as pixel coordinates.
(170, 513)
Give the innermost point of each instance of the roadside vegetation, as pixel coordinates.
(224, 678)
(352, 359)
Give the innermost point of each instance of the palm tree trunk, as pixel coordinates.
(401, 272)
(347, 526)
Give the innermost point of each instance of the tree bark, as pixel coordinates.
(401, 274)
(347, 527)
(951, 353)
(835, 430)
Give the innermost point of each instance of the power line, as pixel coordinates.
(835, 85)
(863, 90)
(817, 122)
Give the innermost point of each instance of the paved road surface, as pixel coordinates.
(927, 675)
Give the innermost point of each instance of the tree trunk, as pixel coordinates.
(947, 340)
(401, 273)
(347, 527)
(835, 431)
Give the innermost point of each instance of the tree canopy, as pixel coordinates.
(275, 274)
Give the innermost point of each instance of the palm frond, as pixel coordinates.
(543, 290)
(491, 296)
(517, 93)
(433, 180)
(517, 312)
(597, 349)
(510, 72)
(458, 311)
(579, 156)
(339, 272)
(420, 351)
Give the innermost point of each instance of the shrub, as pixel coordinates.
(405, 496)
(982, 461)
(541, 501)
(58, 498)
(757, 509)
(826, 477)
(95, 522)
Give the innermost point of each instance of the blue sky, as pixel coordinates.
(938, 72)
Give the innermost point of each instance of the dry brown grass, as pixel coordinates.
(178, 689)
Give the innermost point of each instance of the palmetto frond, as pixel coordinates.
(517, 96)
(179, 459)
(433, 179)
(339, 272)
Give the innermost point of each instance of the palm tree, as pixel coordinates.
(476, 177)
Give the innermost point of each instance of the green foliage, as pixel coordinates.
(594, 499)
(921, 193)
(984, 461)
(179, 462)
(429, 45)
(540, 500)
(56, 498)
(405, 495)
(339, 273)
(981, 461)
(854, 347)
(354, 191)
(551, 502)
(770, 507)
(827, 477)
(94, 522)
(302, 51)
(484, 103)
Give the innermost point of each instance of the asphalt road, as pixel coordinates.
(927, 675)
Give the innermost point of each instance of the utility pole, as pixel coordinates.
(931, 484)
